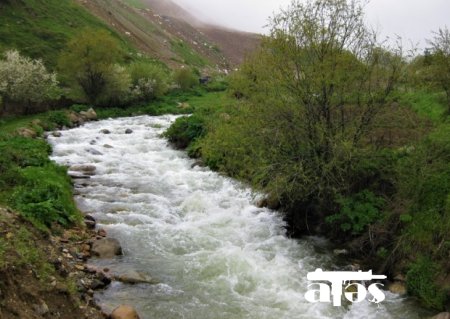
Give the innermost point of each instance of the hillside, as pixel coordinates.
(160, 29)
(168, 32)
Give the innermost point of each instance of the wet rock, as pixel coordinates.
(106, 248)
(101, 232)
(93, 142)
(26, 132)
(128, 131)
(107, 146)
(90, 222)
(134, 277)
(57, 134)
(78, 175)
(105, 131)
(397, 288)
(124, 312)
(96, 284)
(93, 151)
(82, 168)
(442, 315)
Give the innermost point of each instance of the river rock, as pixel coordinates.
(105, 131)
(83, 168)
(124, 312)
(133, 277)
(57, 134)
(106, 248)
(93, 151)
(107, 146)
(442, 315)
(128, 131)
(26, 132)
(90, 114)
(397, 288)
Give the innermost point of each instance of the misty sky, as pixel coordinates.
(413, 20)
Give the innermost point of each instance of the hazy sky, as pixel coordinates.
(413, 20)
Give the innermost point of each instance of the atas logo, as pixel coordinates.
(353, 292)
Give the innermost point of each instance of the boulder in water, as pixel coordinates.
(124, 312)
(106, 248)
(397, 288)
(105, 131)
(128, 131)
(93, 151)
(133, 277)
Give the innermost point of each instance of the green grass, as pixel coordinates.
(427, 104)
(40, 29)
(136, 4)
(188, 55)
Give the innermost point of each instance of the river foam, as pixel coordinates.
(215, 254)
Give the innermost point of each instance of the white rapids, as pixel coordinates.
(214, 253)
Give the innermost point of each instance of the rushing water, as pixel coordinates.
(214, 253)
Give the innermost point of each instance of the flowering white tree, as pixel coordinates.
(25, 80)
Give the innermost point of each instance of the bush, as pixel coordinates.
(25, 80)
(421, 282)
(185, 131)
(149, 80)
(185, 78)
(357, 212)
(60, 118)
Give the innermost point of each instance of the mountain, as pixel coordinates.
(158, 28)
(165, 30)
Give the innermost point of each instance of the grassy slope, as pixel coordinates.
(40, 29)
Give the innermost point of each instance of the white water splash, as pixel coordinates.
(215, 253)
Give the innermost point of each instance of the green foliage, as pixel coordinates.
(427, 104)
(185, 78)
(421, 282)
(185, 131)
(41, 29)
(88, 62)
(357, 212)
(189, 56)
(60, 118)
(149, 80)
(32, 184)
(45, 196)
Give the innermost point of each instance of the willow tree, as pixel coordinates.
(88, 62)
(312, 94)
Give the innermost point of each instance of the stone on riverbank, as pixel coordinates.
(106, 248)
(124, 312)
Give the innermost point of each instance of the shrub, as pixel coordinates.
(149, 80)
(421, 283)
(357, 212)
(185, 78)
(60, 118)
(185, 130)
(25, 80)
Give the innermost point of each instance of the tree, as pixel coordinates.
(150, 81)
(89, 60)
(185, 78)
(25, 80)
(312, 94)
(440, 62)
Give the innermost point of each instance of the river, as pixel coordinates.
(214, 253)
